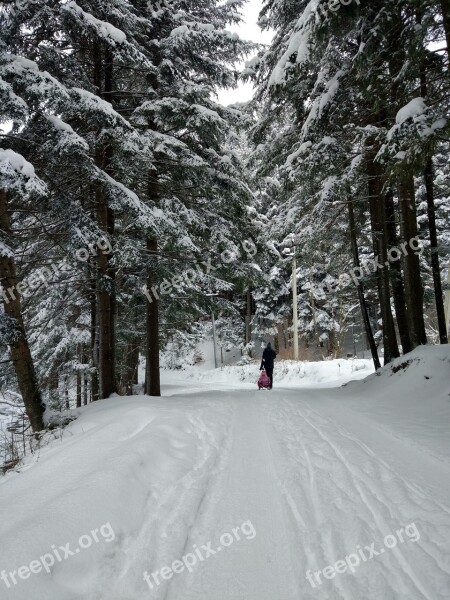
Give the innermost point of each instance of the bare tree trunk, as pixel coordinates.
(85, 390)
(66, 392)
(106, 316)
(248, 321)
(314, 313)
(362, 299)
(396, 61)
(429, 186)
(152, 377)
(277, 340)
(53, 385)
(103, 81)
(379, 234)
(78, 389)
(130, 368)
(18, 342)
(136, 362)
(435, 262)
(396, 276)
(95, 393)
(445, 11)
(413, 280)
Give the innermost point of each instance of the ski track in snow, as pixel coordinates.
(313, 491)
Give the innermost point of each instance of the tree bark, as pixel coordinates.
(413, 281)
(130, 366)
(78, 389)
(435, 262)
(95, 392)
(429, 186)
(362, 299)
(18, 342)
(106, 304)
(152, 375)
(379, 235)
(445, 11)
(395, 270)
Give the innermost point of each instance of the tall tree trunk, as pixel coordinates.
(429, 186)
(106, 316)
(435, 262)
(362, 299)
(137, 351)
(78, 389)
(396, 61)
(130, 367)
(95, 392)
(445, 11)
(248, 320)
(53, 388)
(18, 342)
(413, 281)
(106, 305)
(314, 313)
(152, 375)
(395, 270)
(379, 235)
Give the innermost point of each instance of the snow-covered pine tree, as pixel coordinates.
(324, 79)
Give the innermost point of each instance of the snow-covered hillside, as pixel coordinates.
(135, 497)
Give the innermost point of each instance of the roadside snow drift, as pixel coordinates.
(121, 469)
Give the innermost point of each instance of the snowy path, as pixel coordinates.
(315, 493)
(243, 490)
(310, 494)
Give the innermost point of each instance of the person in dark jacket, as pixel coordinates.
(267, 362)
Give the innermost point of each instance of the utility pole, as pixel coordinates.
(214, 339)
(290, 243)
(214, 330)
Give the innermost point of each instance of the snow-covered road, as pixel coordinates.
(219, 492)
(315, 493)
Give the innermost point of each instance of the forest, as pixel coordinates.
(133, 205)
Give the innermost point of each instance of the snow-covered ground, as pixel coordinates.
(288, 373)
(310, 491)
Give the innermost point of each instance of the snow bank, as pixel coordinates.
(289, 373)
(127, 465)
(410, 397)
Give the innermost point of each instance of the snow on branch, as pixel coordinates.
(16, 172)
(13, 107)
(85, 102)
(107, 32)
(150, 218)
(38, 84)
(102, 28)
(298, 44)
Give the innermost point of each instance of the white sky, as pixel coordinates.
(248, 30)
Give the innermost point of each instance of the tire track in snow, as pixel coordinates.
(309, 500)
(244, 489)
(154, 545)
(336, 481)
(380, 522)
(416, 496)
